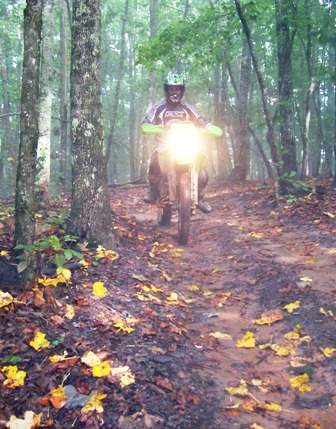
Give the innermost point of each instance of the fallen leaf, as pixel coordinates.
(326, 313)
(270, 317)
(70, 312)
(94, 403)
(39, 342)
(292, 306)
(248, 341)
(30, 420)
(220, 336)
(57, 397)
(300, 382)
(295, 334)
(101, 370)
(91, 359)
(99, 289)
(15, 377)
(328, 351)
(241, 390)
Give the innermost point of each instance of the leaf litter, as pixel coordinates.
(125, 340)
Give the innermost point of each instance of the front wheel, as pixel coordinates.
(184, 211)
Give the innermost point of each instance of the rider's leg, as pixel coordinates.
(154, 177)
(203, 179)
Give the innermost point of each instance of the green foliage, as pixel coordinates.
(58, 341)
(57, 251)
(11, 359)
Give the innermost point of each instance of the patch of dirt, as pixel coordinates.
(193, 304)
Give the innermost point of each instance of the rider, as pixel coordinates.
(162, 115)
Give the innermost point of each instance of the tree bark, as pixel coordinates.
(285, 86)
(45, 101)
(90, 215)
(26, 171)
(276, 158)
(64, 164)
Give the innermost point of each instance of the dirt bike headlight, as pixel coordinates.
(184, 142)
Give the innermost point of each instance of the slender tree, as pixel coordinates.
(90, 215)
(26, 171)
(45, 104)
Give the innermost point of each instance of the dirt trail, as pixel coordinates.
(265, 260)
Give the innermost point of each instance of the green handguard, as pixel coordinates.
(151, 129)
(212, 130)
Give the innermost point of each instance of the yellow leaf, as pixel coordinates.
(256, 426)
(220, 336)
(111, 255)
(132, 320)
(101, 370)
(176, 255)
(39, 342)
(247, 341)
(127, 379)
(194, 288)
(291, 307)
(207, 293)
(300, 382)
(94, 403)
(173, 297)
(295, 334)
(58, 397)
(256, 234)
(283, 350)
(241, 390)
(189, 301)
(3, 252)
(270, 406)
(270, 317)
(156, 289)
(141, 237)
(65, 272)
(70, 312)
(15, 378)
(326, 313)
(91, 359)
(328, 351)
(5, 299)
(332, 251)
(31, 420)
(145, 288)
(58, 358)
(306, 279)
(166, 277)
(99, 289)
(122, 327)
(45, 281)
(329, 214)
(215, 271)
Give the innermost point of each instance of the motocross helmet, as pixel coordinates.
(174, 80)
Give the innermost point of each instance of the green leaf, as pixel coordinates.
(22, 266)
(60, 260)
(68, 253)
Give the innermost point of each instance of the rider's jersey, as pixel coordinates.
(166, 114)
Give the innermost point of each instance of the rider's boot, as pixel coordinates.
(203, 205)
(152, 196)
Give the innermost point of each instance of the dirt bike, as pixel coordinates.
(181, 160)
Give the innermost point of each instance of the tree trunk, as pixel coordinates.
(285, 85)
(45, 105)
(114, 112)
(154, 18)
(64, 165)
(243, 164)
(90, 215)
(270, 129)
(26, 171)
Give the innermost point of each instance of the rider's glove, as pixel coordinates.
(212, 130)
(152, 129)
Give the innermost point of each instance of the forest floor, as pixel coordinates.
(234, 330)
